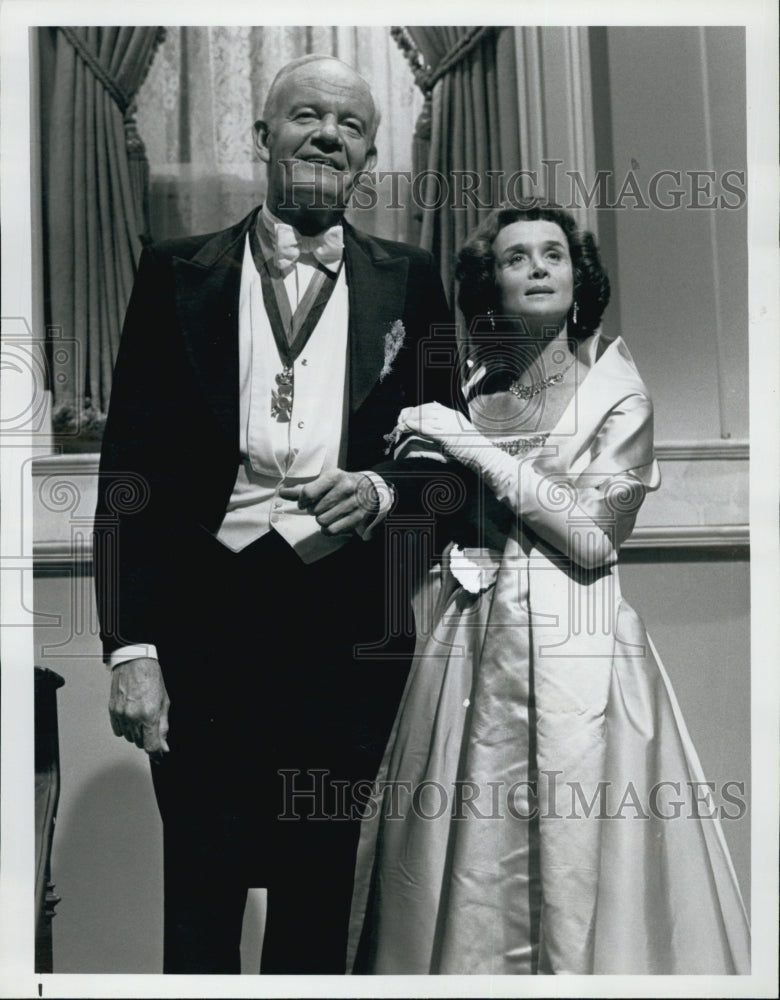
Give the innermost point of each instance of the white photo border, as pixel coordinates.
(17, 976)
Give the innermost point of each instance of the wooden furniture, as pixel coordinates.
(47, 793)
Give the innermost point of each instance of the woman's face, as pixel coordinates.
(534, 273)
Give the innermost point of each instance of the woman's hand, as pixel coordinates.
(446, 427)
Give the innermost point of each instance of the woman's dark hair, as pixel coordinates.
(475, 270)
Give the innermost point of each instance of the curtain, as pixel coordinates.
(206, 89)
(469, 76)
(95, 177)
(499, 100)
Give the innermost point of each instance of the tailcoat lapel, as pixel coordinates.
(207, 288)
(377, 293)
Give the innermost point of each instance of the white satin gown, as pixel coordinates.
(534, 811)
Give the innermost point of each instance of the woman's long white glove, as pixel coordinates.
(559, 511)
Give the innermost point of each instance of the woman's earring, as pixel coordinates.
(575, 312)
(491, 317)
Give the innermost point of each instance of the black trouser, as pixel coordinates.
(266, 695)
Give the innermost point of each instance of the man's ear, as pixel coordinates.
(370, 160)
(261, 140)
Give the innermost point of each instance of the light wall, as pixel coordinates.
(674, 99)
(697, 611)
(107, 853)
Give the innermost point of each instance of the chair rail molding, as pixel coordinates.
(702, 504)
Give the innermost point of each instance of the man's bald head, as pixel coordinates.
(277, 87)
(316, 137)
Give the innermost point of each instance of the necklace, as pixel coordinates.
(519, 446)
(528, 391)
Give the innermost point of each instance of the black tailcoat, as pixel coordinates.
(171, 445)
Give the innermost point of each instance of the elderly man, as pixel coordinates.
(239, 540)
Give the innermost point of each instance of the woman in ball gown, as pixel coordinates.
(540, 807)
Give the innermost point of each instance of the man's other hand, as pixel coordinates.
(342, 502)
(139, 705)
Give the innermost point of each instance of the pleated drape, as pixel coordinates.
(502, 103)
(95, 210)
(472, 86)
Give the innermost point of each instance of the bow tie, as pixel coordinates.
(289, 244)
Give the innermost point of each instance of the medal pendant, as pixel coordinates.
(282, 396)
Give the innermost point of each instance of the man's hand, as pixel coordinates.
(341, 501)
(139, 705)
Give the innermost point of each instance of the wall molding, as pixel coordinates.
(695, 536)
(87, 463)
(687, 451)
(62, 543)
(75, 464)
(57, 558)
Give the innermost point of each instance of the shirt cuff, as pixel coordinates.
(134, 652)
(386, 495)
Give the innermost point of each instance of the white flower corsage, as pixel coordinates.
(394, 339)
(474, 569)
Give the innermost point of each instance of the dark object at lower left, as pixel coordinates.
(47, 793)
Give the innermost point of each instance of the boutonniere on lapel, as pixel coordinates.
(394, 339)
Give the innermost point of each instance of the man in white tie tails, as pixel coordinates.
(239, 550)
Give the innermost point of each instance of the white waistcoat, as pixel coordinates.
(273, 453)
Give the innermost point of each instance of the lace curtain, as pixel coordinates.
(203, 94)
